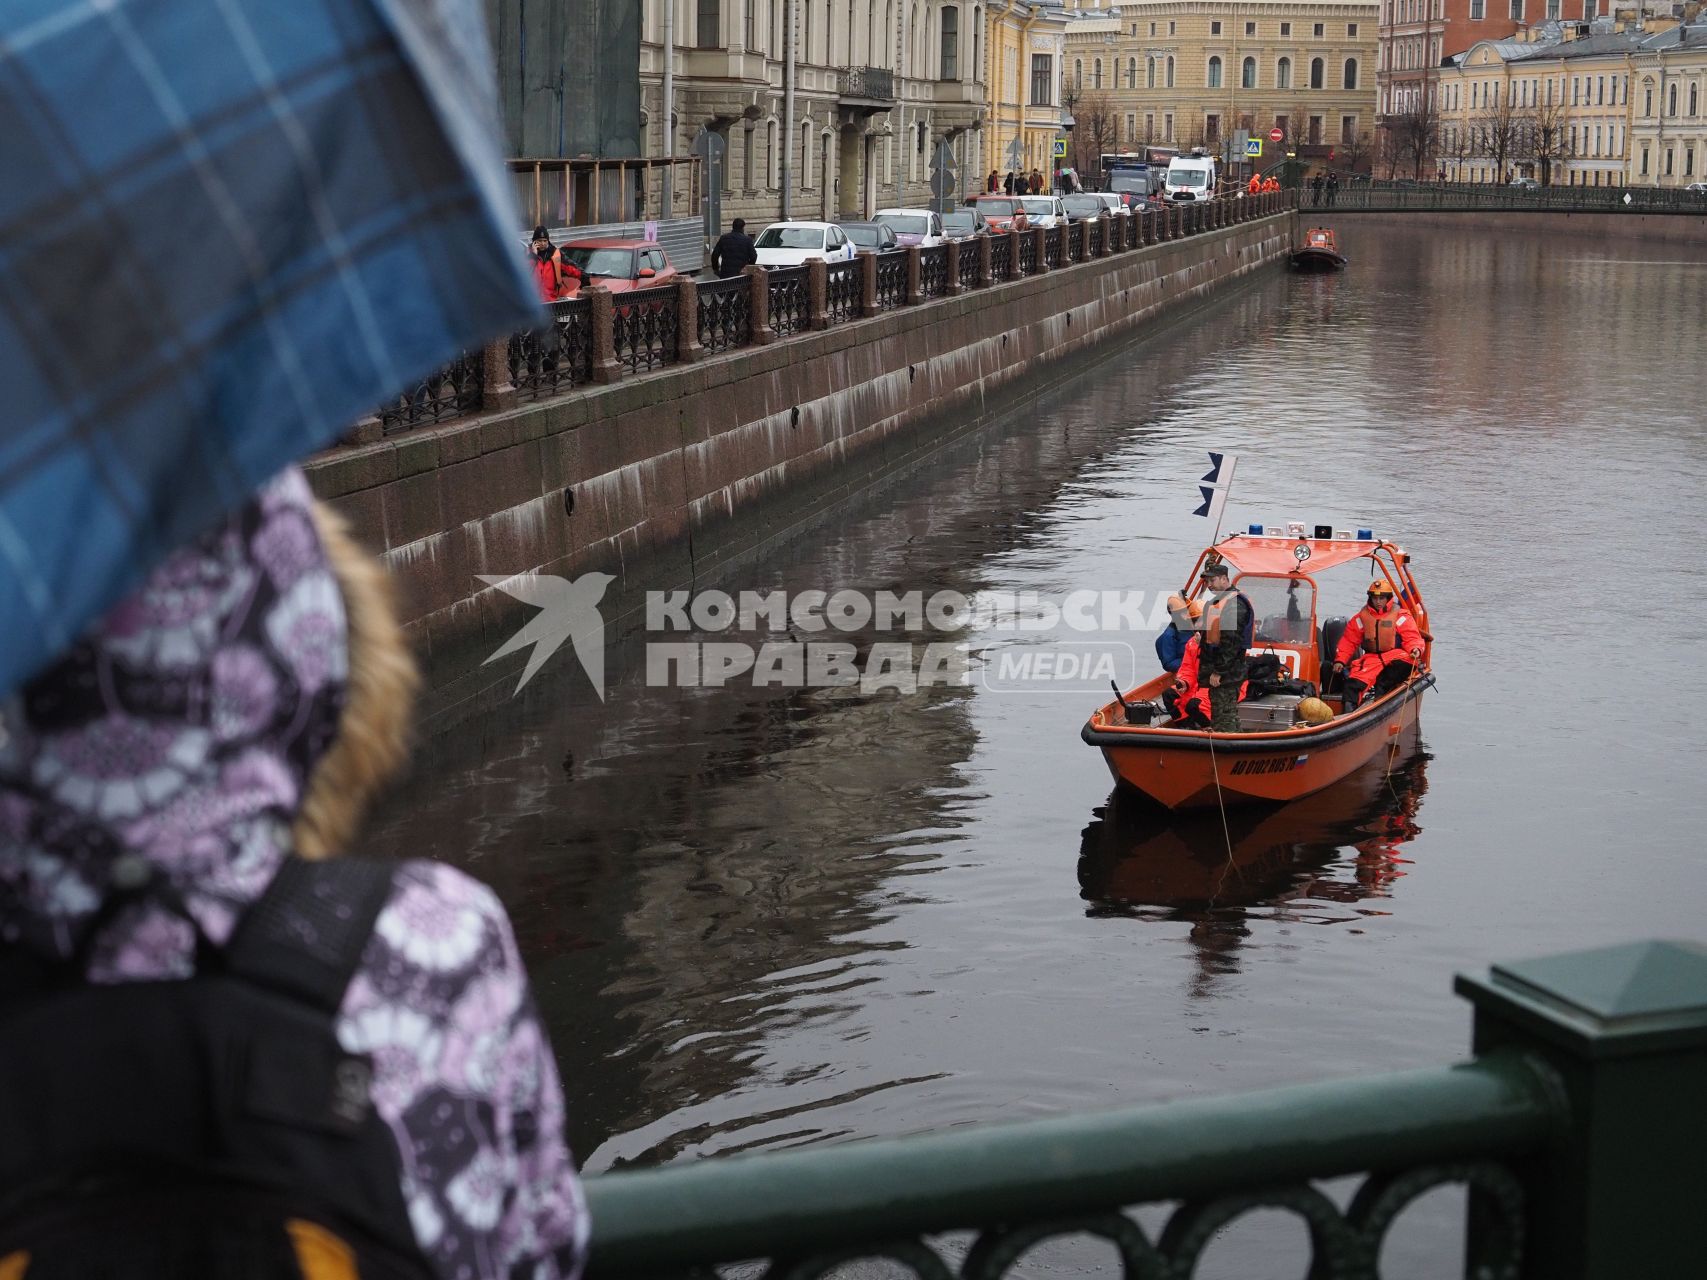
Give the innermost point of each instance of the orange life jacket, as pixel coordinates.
(1211, 621)
(1380, 630)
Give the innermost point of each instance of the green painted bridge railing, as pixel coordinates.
(1579, 1129)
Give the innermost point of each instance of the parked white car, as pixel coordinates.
(790, 244)
(913, 226)
(1116, 205)
(1044, 211)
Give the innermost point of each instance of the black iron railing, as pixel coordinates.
(645, 330)
(1001, 257)
(452, 392)
(933, 271)
(725, 314)
(876, 83)
(967, 273)
(842, 289)
(891, 279)
(1027, 254)
(544, 362)
(790, 302)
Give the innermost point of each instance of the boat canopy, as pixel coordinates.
(1274, 556)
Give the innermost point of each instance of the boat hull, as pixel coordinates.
(1317, 260)
(1188, 769)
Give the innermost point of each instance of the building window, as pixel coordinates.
(1214, 73)
(1671, 103)
(1248, 74)
(1149, 73)
(1171, 32)
(1670, 155)
(1283, 74)
(1170, 78)
(1096, 74)
(710, 24)
(1131, 127)
(1317, 73)
(1214, 28)
(1321, 29)
(1167, 126)
(1315, 131)
(1350, 73)
(1286, 29)
(1132, 73)
(1694, 99)
(1647, 102)
(1283, 124)
(1688, 161)
(951, 43)
(1152, 28)
(1211, 128)
(1478, 10)
(1644, 159)
(1250, 28)
(1517, 10)
(1078, 73)
(1348, 129)
(1149, 127)
(1042, 83)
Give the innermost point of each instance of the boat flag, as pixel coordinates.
(1214, 486)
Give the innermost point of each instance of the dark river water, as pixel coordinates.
(762, 918)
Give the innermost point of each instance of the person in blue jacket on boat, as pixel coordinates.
(1170, 645)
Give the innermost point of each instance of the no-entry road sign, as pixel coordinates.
(1276, 134)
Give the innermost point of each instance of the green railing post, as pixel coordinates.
(1625, 1029)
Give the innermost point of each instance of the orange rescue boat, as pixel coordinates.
(1278, 757)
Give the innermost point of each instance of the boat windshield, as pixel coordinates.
(1284, 608)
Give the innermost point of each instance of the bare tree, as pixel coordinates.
(1096, 127)
(1549, 141)
(1500, 133)
(1415, 134)
(1356, 151)
(1457, 145)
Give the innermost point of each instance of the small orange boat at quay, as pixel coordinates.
(1277, 756)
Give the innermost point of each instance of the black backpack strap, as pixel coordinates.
(305, 935)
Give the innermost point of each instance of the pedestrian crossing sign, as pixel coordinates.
(1253, 146)
(1060, 148)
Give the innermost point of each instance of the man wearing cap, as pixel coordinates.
(1386, 642)
(1170, 645)
(1228, 623)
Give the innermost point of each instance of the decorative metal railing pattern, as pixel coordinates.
(933, 271)
(645, 330)
(544, 362)
(891, 279)
(725, 314)
(790, 303)
(1076, 241)
(811, 1212)
(452, 392)
(866, 82)
(647, 327)
(842, 289)
(968, 265)
(1397, 197)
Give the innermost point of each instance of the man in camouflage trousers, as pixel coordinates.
(1228, 623)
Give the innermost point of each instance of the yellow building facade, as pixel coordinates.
(1022, 75)
(1668, 109)
(1192, 72)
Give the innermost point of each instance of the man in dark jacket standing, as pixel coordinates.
(1227, 625)
(733, 251)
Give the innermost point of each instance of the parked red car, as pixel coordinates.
(1004, 213)
(617, 265)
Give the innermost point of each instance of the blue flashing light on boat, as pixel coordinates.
(1254, 529)
(1366, 535)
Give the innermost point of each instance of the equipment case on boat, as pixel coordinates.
(1271, 711)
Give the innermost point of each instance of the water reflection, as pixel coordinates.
(1309, 862)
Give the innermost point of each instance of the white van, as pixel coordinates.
(1190, 178)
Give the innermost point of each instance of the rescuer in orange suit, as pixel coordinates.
(1188, 699)
(1271, 184)
(1387, 643)
(1255, 186)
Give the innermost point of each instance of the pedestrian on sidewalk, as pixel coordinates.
(734, 251)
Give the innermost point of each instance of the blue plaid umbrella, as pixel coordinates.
(228, 229)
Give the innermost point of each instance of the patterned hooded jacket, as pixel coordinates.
(193, 726)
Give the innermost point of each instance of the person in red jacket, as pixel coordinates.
(548, 272)
(1380, 646)
(1188, 698)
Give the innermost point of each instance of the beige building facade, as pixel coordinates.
(1026, 42)
(878, 84)
(1193, 72)
(1668, 109)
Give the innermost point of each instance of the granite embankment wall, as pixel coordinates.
(666, 479)
(1671, 228)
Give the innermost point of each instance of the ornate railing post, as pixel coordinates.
(817, 294)
(1064, 246)
(1625, 1031)
(915, 286)
(985, 277)
(953, 287)
(759, 303)
(868, 303)
(605, 367)
(688, 348)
